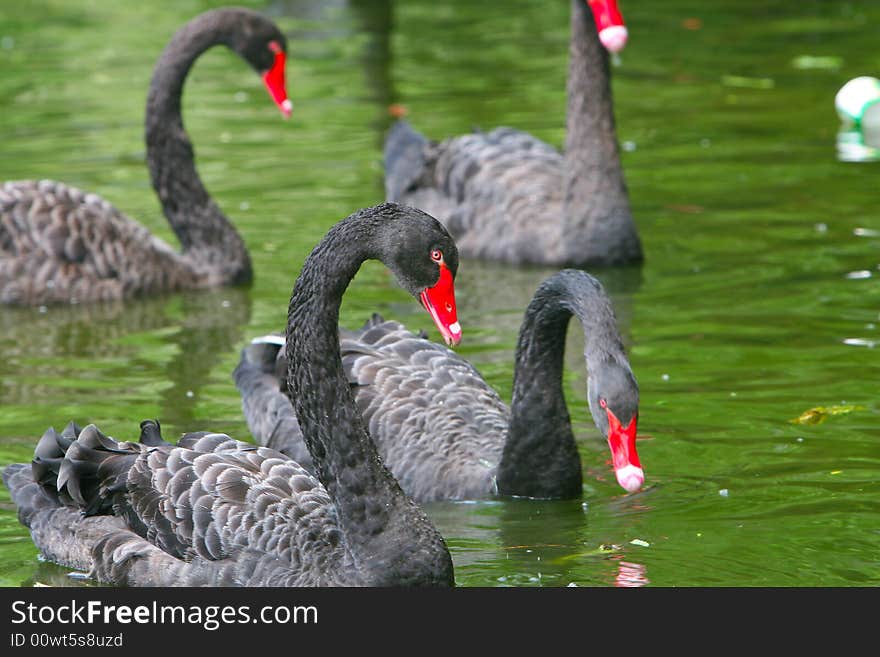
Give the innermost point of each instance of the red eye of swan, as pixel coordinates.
(274, 46)
(603, 403)
(437, 255)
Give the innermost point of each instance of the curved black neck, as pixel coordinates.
(540, 457)
(390, 539)
(205, 233)
(599, 225)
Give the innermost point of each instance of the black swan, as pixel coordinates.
(60, 244)
(442, 431)
(215, 511)
(509, 197)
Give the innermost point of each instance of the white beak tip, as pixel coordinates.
(630, 477)
(614, 37)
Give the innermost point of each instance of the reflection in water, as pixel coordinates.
(523, 542)
(856, 145)
(860, 141)
(503, 292)
(211, 325)
(373, 19)
(535, 542)
(631, 574)
(201, 326)
(50, 574)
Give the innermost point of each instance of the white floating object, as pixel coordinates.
(855, 97)
(639, 542)
(860, 342)
(724, 492)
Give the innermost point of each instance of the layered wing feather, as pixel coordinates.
(59, 244)
(439, 427)
(209, 510)
(499, 193)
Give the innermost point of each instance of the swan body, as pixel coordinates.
(210, 510)
(59, 244)
(507, 196)
(216, 485)
(442, 430)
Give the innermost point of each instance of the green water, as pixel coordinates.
(758, 299)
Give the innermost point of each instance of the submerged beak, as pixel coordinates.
(439, 301)
(612, 32)
(622, 441)
(274, 80)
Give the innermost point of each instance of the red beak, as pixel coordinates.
(612, 31)
(624, 458)
(439, 301)
(274, 80)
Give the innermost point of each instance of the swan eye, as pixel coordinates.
(274, 46)
(603, 403)
(437, 255)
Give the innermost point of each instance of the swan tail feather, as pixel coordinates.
(264, 353)
(48, 456)
(59, 525)
(95, 469)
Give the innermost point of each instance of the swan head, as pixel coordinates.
(613, 395)
(609, 23)
(424, 258)
(259, 42)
